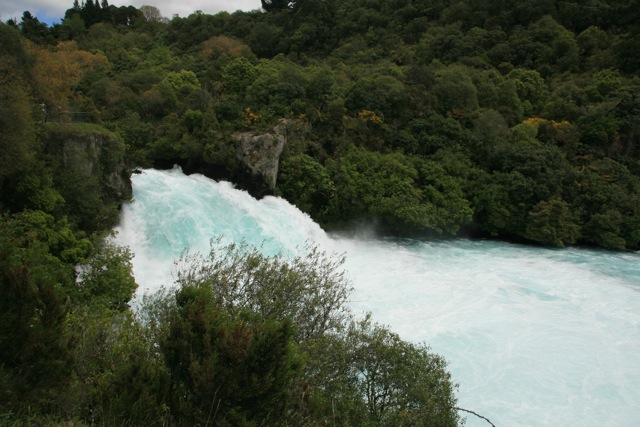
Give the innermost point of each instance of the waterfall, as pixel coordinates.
(533, 336)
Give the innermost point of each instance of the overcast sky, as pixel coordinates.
(51, 11)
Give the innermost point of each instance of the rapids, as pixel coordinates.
(533, 336)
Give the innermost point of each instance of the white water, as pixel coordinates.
(535, 337)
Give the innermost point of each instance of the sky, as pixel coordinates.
(52, 11)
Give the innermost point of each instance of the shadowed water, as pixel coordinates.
(534, 336)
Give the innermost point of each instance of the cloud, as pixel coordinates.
(51, 11)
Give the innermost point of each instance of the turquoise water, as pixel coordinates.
(534, 336)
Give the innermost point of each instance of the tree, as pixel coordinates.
(401, 382)
(238, 75)
(383, 94)
(531, 89)
(368, 376)
(229, 347)
(55, 236)
(107, 279)
(275, 5)
(604, 229)
(34, 30)
(308, 289)
(182, 83)
(400, 193)
(455, 90)
(278, 90)
(442, 192)
(306, 183)
(151, 13)
(124, 15)
(119, 376)
(226, 368)
(431, 133)
(553, 223)
(34, 352)
(222, 49)
(71, 28)
(18, 142)
(609, 203)
(56, 73)
(265, 39)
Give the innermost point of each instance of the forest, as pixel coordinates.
(426, 118)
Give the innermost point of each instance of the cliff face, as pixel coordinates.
(257, 158)
(90, 154)
(259, 155)
(101, 156)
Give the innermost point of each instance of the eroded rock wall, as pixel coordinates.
(259, 154)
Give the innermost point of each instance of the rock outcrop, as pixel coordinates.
(259, 154)
(96, 155)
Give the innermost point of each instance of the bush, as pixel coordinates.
(271, 338)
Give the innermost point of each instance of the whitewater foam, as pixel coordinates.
(534, 336)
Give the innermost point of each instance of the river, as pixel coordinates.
(533, 336)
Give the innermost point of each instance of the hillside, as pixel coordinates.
(500, 119)
(517, 121)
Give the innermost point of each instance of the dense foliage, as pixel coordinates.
(242, 339)
(503, 119)
(515, 120)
